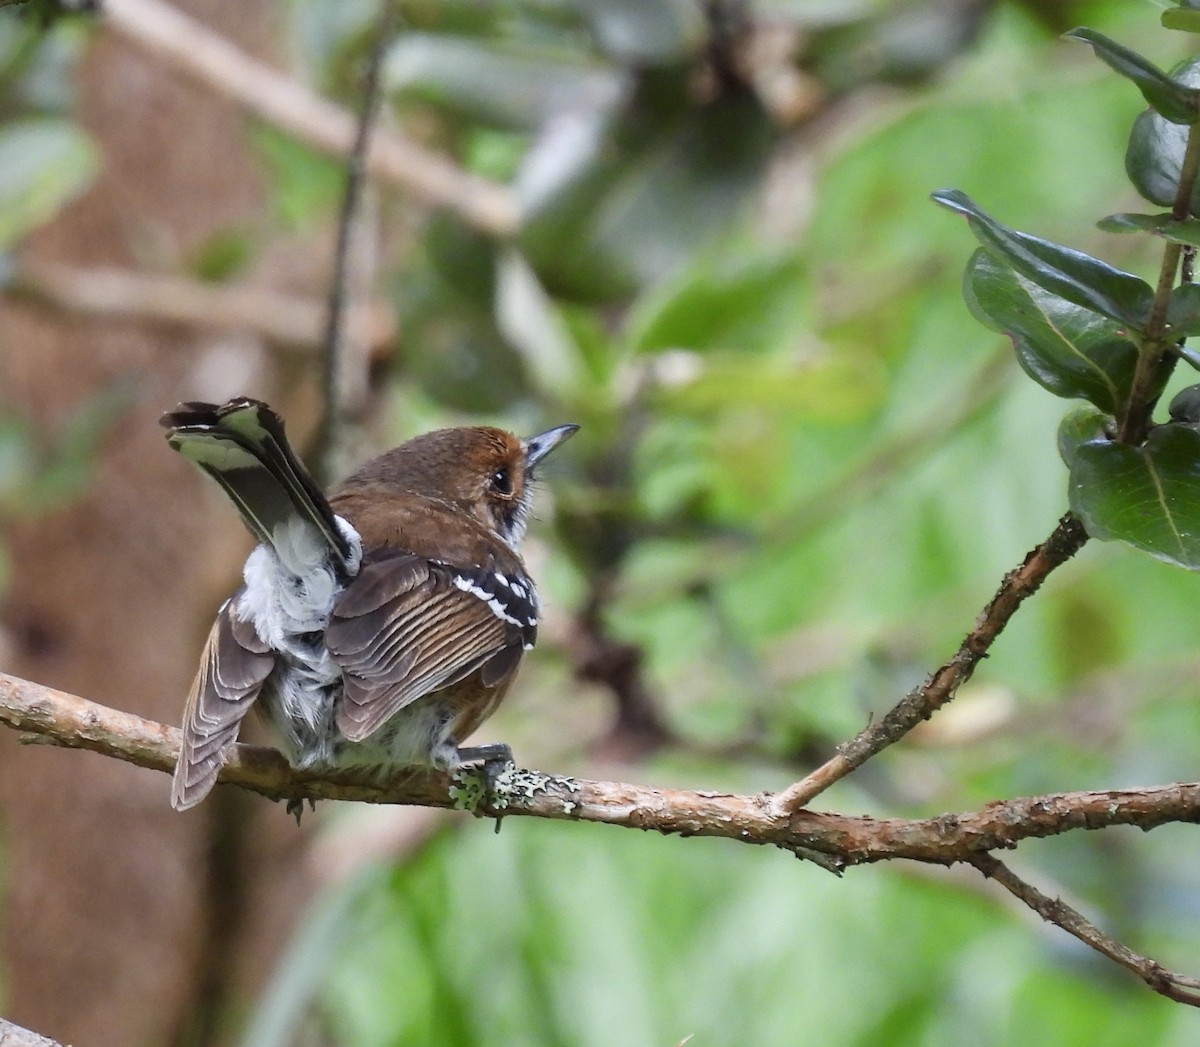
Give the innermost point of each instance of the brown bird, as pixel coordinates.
(376, 628)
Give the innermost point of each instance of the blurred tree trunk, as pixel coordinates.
(123, 921)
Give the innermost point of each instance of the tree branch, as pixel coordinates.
(833, 841)
(939, 688)
(1056, 911)
(197, 51)
(65, 719)
(286, 320)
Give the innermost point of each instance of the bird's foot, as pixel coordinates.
(295, 807)
(484, 776)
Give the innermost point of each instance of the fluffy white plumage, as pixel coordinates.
(289, 596)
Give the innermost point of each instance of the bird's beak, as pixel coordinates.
(537, 447)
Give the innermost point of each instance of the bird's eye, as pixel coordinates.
(502, 482)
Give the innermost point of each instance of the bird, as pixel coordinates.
(377, 627)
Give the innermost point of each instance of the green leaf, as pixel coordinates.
(1154, 155)
(745, 305)
(221, 256)
(44, 164)
(530, 320)
(507, 86)
(1148, 496)
(35, 478)
(1183, 310)
(1175, 101)
(1081, 425)
(1167, 226)
(1178, 18)
(1185, 405)
(1188, 356)
(1070, 274)
(618, 204)
(1065, 348)
(305, 185)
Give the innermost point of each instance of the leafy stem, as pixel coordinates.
(1153, 357)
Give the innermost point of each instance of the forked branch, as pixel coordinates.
(921, 703)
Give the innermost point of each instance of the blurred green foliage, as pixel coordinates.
(569, 935)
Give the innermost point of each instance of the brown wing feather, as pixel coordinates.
(233, 668)
(409, 631)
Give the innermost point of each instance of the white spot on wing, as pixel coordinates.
(495, 605)
(500, 610)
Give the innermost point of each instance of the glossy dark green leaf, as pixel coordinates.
(1081, 425)
(1148, 496)
(1154, 155)
(1065, 348)
(1185, 405)
(1070, 274)
(1175, 101)
(1164, 225)
(1183, 310)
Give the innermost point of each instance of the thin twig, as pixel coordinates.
(334, 385)
(1056, 911)
(195, 50)
(286, 320)
(65, 719)
(1064, 542)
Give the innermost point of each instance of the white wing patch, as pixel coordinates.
(511, 600)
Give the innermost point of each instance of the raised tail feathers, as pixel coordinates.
(242, 445)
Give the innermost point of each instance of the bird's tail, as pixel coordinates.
(241, 444)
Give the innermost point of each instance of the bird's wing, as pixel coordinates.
(233, 668)
(407, 626)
